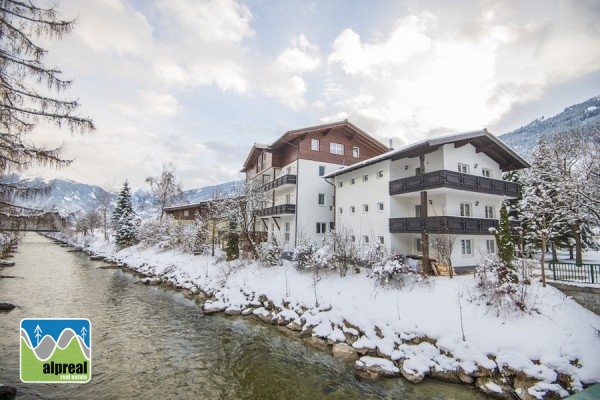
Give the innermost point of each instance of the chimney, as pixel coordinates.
(391, 141)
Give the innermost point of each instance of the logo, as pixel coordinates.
(56, 350)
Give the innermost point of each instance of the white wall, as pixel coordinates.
(467, 155)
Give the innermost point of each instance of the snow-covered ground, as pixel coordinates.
(557, 337)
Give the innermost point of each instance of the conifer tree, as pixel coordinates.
(232, 248)
(124, 219)
(506, 248)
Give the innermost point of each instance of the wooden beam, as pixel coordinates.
(276, 223)
(326, 132)
(461, 143)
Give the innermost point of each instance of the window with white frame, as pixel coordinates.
(463, 168)
(321, 227)
(340, 184)
(486, 172)
(365, 239)
(336, 148)
(286, 232)
(321, 199)
(465, 209)
(352, 238)
(186, 213)
(340, 210)
(365, 178)
(365, 208)
(418, 245)
(379, 207)
(314, 144)
(288, 170)
(417, 171)
(379, 174)
(288, 199)
(489, 212)
(417, 210)
(490, 246)
(355, 152)
(352, 209)
(352, 181)
(466, 247)
(380, 239)
(321, 170)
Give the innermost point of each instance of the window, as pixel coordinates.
(417, 171)
(288, 170)
(352, 238)
(463, 168)
(379, 174)
(340, 184)
(314, 144)
(321, 170)
(365, 239)
(380, 239)
(355, 152)
(486, 172)
(466, 247)
(490, 245)
(286, 231)
(340, 210)
(266, 178)
(321, 199)
(418, 245)
(336, 148)
(489, 212)
(418, 210)
(332, 226)
(365, 178)
(379, 207)
(352, 209)
(288, 199)
(321, 227)
(365, 208)
(352, 181)
(186, 213)
(465, 209)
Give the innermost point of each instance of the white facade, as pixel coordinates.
(366, 208)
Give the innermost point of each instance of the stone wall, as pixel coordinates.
(588, 297)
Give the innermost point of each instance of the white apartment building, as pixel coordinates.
(450, 185)
(300, 205)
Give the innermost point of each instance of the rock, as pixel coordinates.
(317, 343)
(6, 305)
(233, 311)
(247, 311)
(96, 258)
(493, 388)
(148, 281)
(294, 326)
(4, 263)
(447, 376)
(410, 375)
(213, 308)
(344, 352)
(306, 332)
(373, 368)
(7, 392)
(465, 377)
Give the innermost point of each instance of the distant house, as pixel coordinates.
(300, 203)
(450, 185)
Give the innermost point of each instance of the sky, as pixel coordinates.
(197, 82)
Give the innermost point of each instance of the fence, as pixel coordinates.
(582, 273)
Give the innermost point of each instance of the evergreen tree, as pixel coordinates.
(506, 248)
(124, 219)
(232, 248)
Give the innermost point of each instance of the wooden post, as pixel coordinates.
(426, 265)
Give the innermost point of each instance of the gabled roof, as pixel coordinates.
(482, 140)
(344, 126)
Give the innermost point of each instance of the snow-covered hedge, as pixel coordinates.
(168, 234)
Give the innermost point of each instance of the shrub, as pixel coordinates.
(270, 253)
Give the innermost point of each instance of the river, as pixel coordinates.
(152, 342)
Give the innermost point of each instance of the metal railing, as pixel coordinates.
(275, 210)
(454, 180)
(446, 224)
(282, 180)
(582, 273)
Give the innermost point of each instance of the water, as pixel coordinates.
(151, 342)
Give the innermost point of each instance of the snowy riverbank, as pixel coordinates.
(416, 330)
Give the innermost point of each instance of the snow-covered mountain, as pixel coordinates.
(75, 198)
(584, 115)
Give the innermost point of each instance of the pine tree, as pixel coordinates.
(124, 219)
(232, 248)
(506, 248)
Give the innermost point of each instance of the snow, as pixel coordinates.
(494, 387)
(382, 363)
(559, 336)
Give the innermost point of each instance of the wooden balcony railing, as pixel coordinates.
(448, 225)
(282, 180)
(276, 210)
(454, 180)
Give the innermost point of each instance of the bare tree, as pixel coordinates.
(104, 199)
(442, 245)
(26, 87)
(165, 187)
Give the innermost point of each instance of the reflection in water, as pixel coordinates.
(151, 342)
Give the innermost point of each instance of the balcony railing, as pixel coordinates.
(448, 225)
(276, 210)
(454, 180)
(282, 180)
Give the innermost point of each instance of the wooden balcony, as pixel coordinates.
(277, 210)
(282, 180)
(448, 225)
(454, 180)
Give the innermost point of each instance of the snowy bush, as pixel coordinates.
(372, 255)
(303, 256)
(168, 234)
(397, 270)
(503, 288)
(269, 254)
